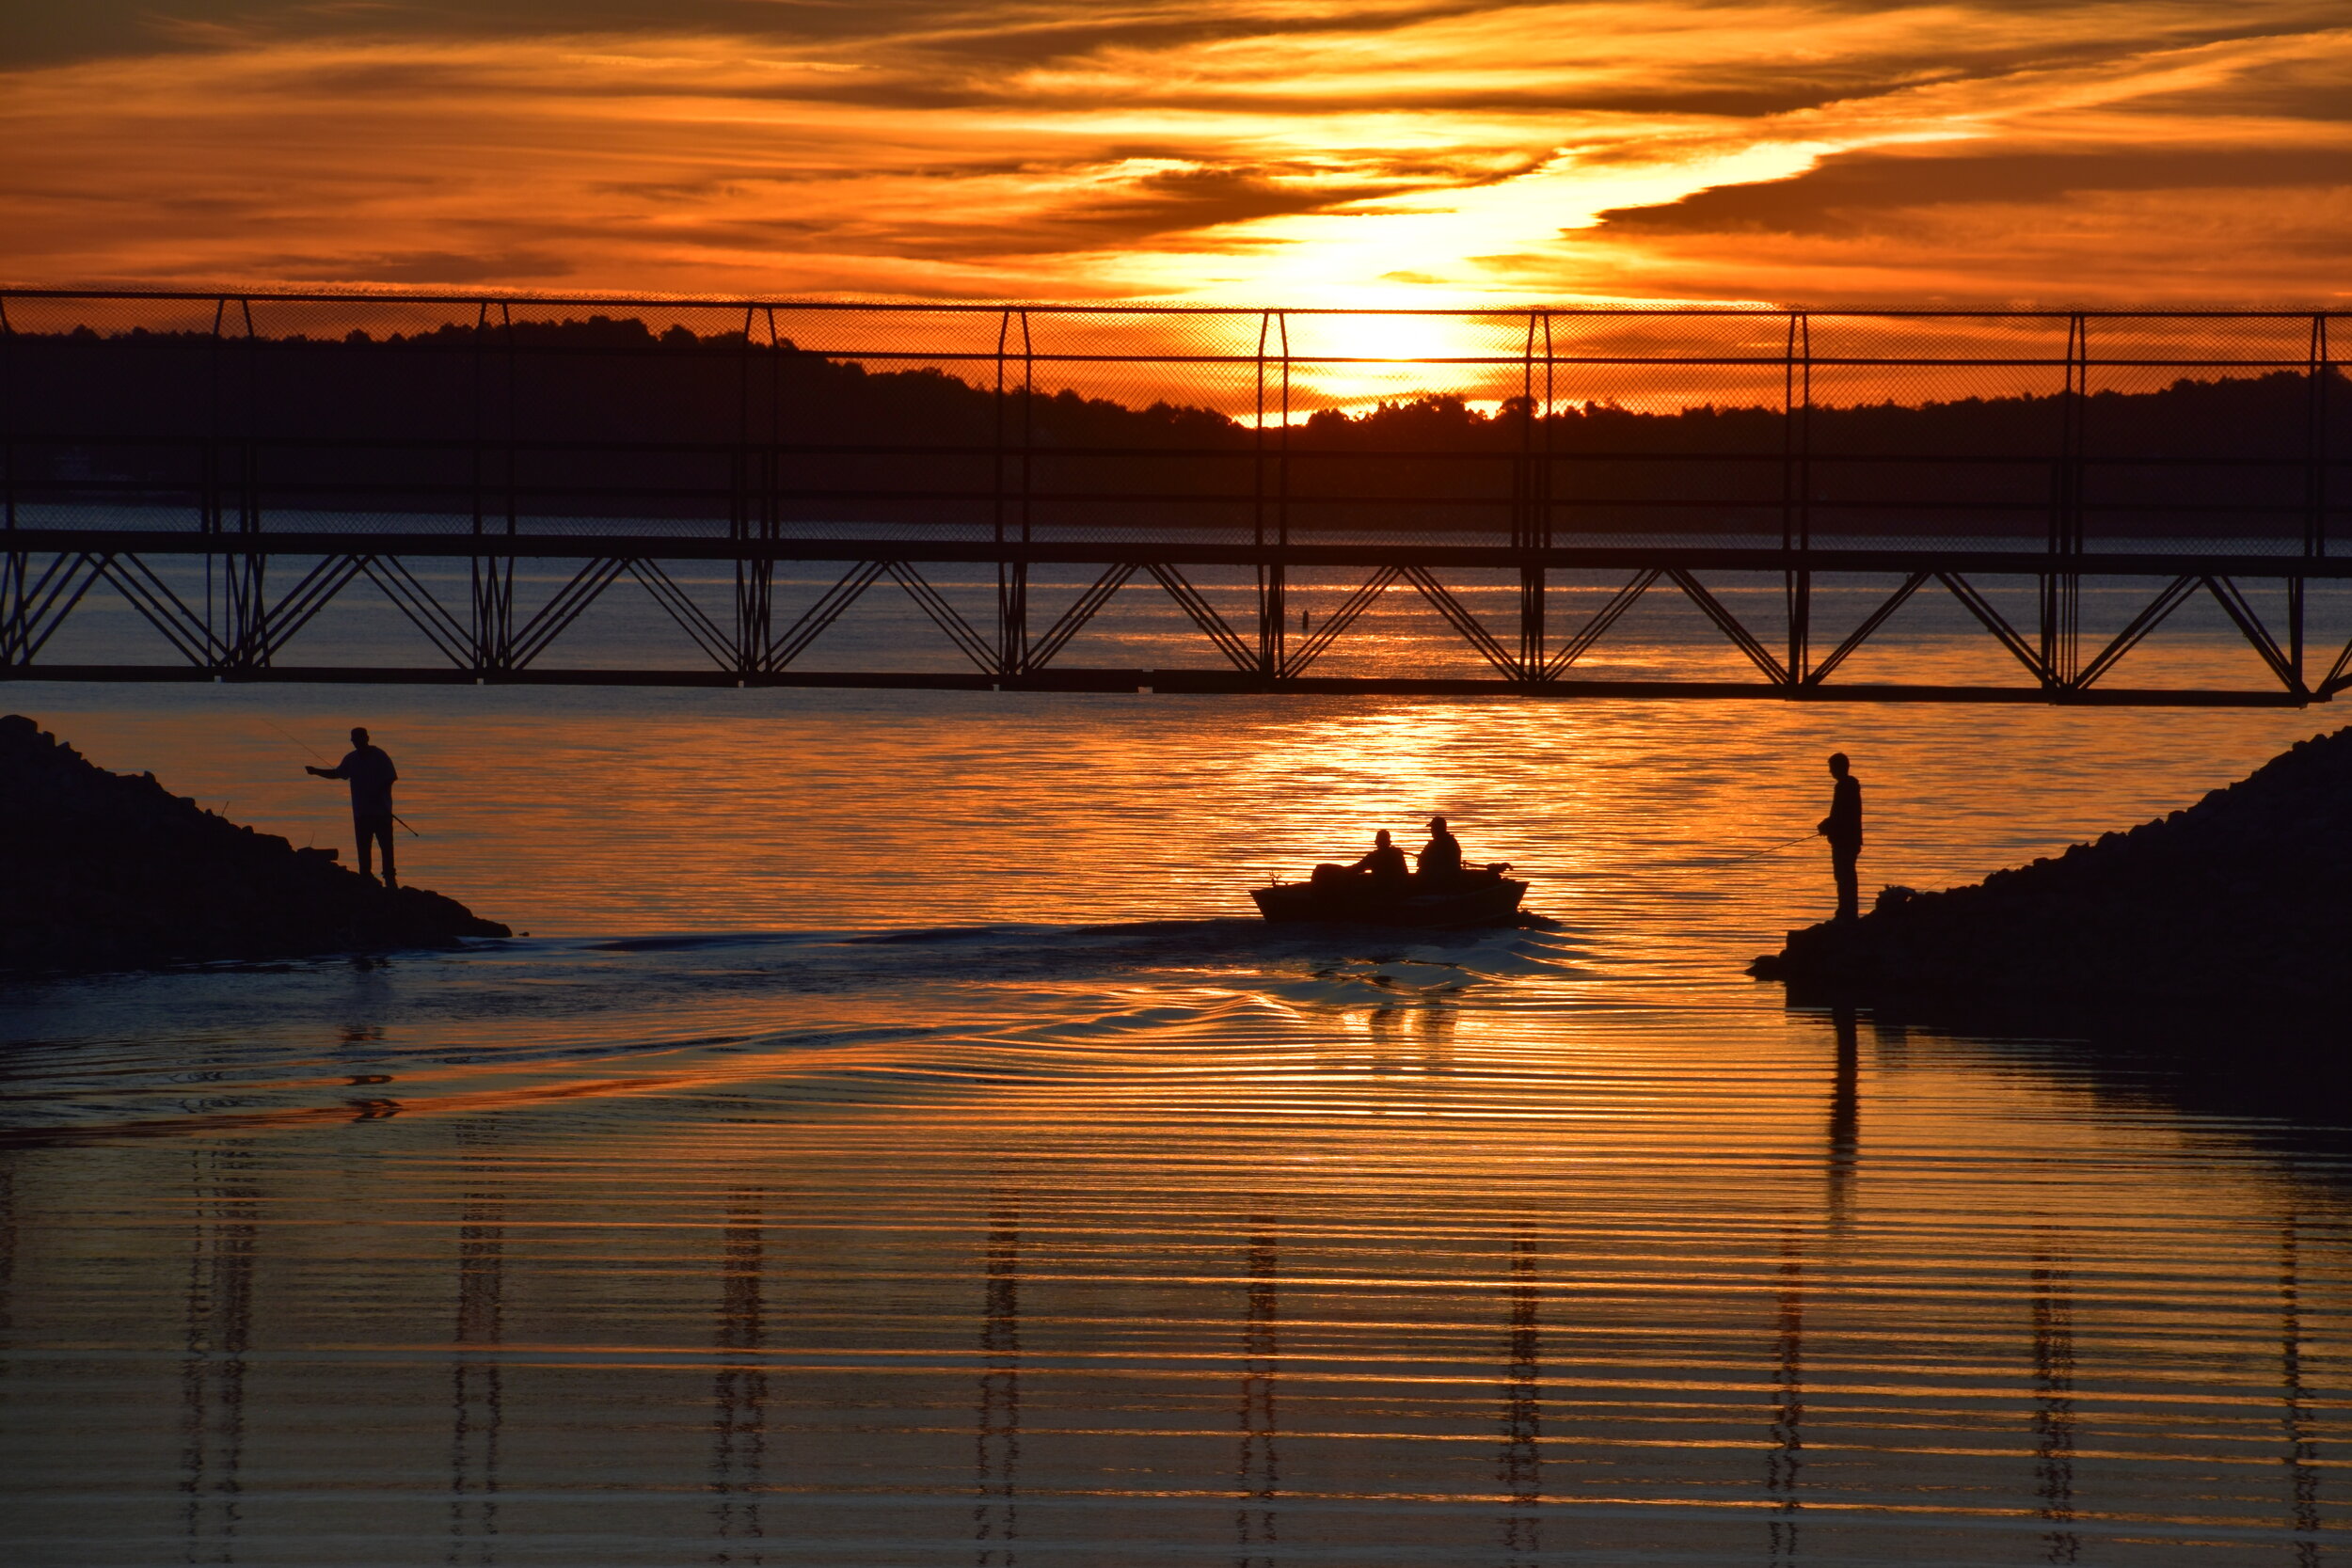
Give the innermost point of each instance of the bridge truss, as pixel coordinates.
(239, 635)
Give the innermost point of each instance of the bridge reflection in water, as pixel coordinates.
(1827, 1332)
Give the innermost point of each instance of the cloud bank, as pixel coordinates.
(1302, 152)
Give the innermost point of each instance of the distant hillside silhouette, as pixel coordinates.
(606, 419)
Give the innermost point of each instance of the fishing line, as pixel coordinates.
(1768, 849)
(314, 751)
(295, 738)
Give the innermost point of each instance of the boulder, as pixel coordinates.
(2240, 899)
(103, 870)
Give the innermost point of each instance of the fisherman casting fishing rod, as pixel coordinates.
(1842, 827)
(371, 775)
(314, 751)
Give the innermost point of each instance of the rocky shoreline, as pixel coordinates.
(2240, 900)
(101, 870)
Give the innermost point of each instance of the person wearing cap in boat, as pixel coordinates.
(1441, 857)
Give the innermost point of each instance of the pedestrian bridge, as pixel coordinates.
(403, 489)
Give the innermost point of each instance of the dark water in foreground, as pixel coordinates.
(894, 1148)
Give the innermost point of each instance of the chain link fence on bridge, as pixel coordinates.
(387, 413)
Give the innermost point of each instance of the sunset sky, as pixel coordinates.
(1383, 152)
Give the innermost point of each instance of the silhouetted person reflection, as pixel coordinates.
(2302, 1449)
(1522, 1476)
(1441, 857)
(1256, 1535)
(1784, 1464)
(1842, 827)
(226, 1242)
(372, 776)
(1845, 1116)
(2055, 1416)
(996, 1513)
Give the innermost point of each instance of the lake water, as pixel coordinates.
(896, 1142)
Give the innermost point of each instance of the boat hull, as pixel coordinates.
(1478, 901)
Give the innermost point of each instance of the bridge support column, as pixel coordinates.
(1530, 490)
(1800, 591)
(242, 640)
(2061, 590)
(1796, 490)
(1272, 623)
(1012, 618)
(15, 609)
(1271, 521)
(1533, 653)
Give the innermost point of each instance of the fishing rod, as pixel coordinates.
(1768, 849)
(314, 751)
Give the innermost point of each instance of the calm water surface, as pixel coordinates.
(898, 1144)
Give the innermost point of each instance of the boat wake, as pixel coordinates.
(801, 1017)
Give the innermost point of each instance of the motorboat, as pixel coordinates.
(1483, 896)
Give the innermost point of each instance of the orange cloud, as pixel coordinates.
(1353, 154)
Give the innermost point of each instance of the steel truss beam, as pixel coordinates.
(818, 616)
(416, 602)
(1300, 551)
(946, 616)
(1351, 609)
(1204, 615)
(34, 605)
(1162, 679)
(1072, 621)
(1604, 618)
(37, 596)
(1467, 625)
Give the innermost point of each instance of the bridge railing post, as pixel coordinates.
(208, 481)
(493, 577)
(1796, 487)
(236, 632)
(1011, 512)
(1531, 493)
(755, 571)
(1273, 519)
(742, 493)
(14, 563)
(2062, 588)
(2314, 483)
(7, 418)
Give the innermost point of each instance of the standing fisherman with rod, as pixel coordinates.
(1842, 827)
(372, 775)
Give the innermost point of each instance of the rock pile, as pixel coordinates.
(103, 870)
(2241, 899)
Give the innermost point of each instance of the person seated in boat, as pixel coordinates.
(1441, 857)
(1386, 865)
(1383, 868)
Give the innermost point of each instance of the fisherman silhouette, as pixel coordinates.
(1842, 827)
(371, 776)
(1441, 857)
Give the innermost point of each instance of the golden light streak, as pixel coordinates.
(1363, 155)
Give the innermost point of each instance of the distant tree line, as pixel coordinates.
(603, 418)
